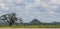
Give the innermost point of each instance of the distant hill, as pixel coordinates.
(35, 22)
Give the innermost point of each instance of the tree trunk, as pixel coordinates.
(10, 23)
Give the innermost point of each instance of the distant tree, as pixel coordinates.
(11, 18)
(21, 21)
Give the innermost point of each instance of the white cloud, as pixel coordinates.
(51, 13)
(44, 4)
(55, 1)
(9, 0)
(2, 6)
(37, 14)
(37, 3)
(27, 12)
(19, 1)
(29, 8)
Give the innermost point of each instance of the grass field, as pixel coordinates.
(32, 26)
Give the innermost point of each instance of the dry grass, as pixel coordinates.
(32, 26)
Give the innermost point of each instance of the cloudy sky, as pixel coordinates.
(43, 10)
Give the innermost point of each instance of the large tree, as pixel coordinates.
(11, 18)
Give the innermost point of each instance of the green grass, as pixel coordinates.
(32, 26)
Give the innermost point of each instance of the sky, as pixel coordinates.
(43, 10)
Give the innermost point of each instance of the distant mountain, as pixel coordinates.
(35, 21)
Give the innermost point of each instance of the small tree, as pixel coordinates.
(21, 21)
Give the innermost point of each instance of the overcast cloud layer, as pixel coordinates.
(43, 10)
